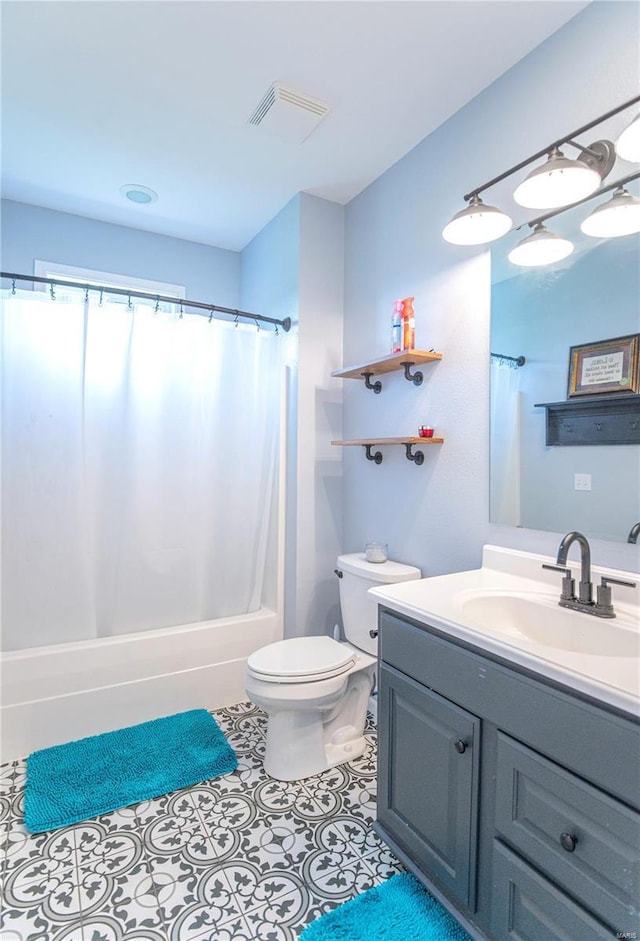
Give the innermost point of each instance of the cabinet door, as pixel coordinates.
(428, 781)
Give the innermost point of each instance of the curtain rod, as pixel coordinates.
(516, 360)
(557, 143)
(158, 298)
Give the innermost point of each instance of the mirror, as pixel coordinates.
(540, 313)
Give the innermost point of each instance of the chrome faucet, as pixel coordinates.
(603, 606)
(634, 533)
(585, 589)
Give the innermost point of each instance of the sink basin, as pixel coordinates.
(509, 608)
(541, 620)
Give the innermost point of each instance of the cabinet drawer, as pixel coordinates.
(525, 907)
(537, 802)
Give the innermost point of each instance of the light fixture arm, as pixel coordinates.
(567, 139)
(599, 192)
(584, 150)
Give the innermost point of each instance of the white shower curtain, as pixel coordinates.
(138, 460)
(505, 444)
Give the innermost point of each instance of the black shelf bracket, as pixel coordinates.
(418, 457)
(376, 386)
(377, 457)
(416, 377)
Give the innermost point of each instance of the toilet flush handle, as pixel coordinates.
(373, 634)
(338, 573)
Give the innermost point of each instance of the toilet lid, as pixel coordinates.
(302, 657)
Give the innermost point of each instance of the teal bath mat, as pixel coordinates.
(398, 910)
(70, 783)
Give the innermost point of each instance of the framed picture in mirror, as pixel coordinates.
(605, 366)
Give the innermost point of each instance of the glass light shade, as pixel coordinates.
(619, 216)
(540, 248)
(628, 144)
(556, 183)
(476, 224)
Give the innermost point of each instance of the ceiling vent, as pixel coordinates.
(287, 114)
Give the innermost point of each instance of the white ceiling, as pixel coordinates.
(99, 94)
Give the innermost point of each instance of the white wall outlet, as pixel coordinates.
(582, 481)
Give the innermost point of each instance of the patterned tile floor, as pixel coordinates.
(239, 858)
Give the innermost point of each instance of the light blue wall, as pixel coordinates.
(269, 282)
(31, 232)
(269, 266)
(320, 514)
(294, 267)
(437, 516)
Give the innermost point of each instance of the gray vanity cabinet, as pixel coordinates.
(513, 799)
(428, 785)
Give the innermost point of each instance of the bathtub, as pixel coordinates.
(56, 694)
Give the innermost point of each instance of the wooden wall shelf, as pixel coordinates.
(408, 442)
(391, 363)
(596, 419)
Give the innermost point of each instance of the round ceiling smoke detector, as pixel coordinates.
(141, 195)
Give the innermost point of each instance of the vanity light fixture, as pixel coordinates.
(540, 248)
(620, 215)
(476, 224)
(558, 182)
(628, 144)
(556, 185)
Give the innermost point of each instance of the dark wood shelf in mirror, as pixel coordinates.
(596, 419)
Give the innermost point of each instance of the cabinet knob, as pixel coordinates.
(568, 842)
(460, 746)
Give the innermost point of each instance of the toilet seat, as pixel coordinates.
(301, 660)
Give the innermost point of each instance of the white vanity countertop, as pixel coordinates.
(597, 656)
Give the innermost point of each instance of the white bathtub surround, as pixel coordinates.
(509, 607)
(63, 692)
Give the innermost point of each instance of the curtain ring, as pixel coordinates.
(86, 295)
(211, 315)
(235, 319)
(276, 326)
(52, 292)
(257, 324)
(13, 285)
(101, 293)
(180, 315)
(129, 304)
(157, 305)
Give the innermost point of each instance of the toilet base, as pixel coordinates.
(303, 742)
(338, 754)
(306, 754)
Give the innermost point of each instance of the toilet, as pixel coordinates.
(315, 690)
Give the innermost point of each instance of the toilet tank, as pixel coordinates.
(359, 610)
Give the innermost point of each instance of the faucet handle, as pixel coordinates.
(603, 595)
(568, 583)
(607, 580)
